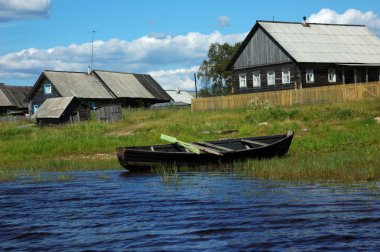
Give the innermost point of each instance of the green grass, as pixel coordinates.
(339, 142)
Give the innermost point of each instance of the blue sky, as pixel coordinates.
(165, 38)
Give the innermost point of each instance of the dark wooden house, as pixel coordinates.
(97, 89)
(12, 99)
(285, 55)
(61, 110)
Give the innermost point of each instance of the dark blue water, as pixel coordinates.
(113, 211)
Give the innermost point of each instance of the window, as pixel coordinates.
(256, 79)
(332, 75)
(242, 81)
(285, 76)
(271, 77)
(309, 76)
(47, 89)
(35, 108)
(92, 105)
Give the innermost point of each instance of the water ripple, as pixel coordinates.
(199, 212)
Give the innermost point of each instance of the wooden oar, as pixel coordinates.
(188, 146)
(195, 148)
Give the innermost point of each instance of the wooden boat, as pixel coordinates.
(213, 152)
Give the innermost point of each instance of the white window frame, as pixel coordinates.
(331, 75)
(47, 88)
(285, 75)
(35, 108)
(256, 78)
(271, 77)
(309, 75)
(242, 80)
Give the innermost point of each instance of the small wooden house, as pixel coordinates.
(12, 99)
(285, 55)
(97, 89)
(61, 110)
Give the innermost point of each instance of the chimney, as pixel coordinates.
(177, 90)
(304, 23)
(88, 70)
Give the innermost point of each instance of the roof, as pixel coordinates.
(102, 85)
(78, 84)
(13, 96)
(53, 107)
(124, 84)
(181, 96)
(129, 85)
(320, 43)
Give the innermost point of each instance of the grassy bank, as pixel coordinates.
(334, 141)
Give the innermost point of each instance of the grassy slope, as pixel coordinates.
(334, 141)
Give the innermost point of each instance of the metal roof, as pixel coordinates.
(124, 84)
(180, 96)
(53, 107)
(325, 43)
(80, 85)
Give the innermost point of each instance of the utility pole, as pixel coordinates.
(92, 49)
(195, 81)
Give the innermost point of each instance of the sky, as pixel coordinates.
(167, 39)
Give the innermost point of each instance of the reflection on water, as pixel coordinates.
(196, 211)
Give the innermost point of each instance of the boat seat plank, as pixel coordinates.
(207, 149)
(214, 146)
(253, 142)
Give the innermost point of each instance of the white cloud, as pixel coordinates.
(23, 9)
(171, 60)
(350, 16)
(170, 79)
(223, 21)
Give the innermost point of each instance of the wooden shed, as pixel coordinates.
(286, 55)
(60, 111)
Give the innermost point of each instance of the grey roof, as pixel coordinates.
(53, 107)
(4, 100)
(80, 85)
(129, 85)
(325, 43)
(14, 96)
(124, 84)
(180, 96)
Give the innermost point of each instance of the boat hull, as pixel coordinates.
(146, 157)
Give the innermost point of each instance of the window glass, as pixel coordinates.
(47, 88)
(271, 76)
(242, 80)
(256, 79)
(309, 75)
(35, 108)
(332, 75)
(285, 76)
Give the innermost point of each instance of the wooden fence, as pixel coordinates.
(111, 113)
(325, 94)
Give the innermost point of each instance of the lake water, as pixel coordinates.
(116, 211)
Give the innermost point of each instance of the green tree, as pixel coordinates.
(212, 73)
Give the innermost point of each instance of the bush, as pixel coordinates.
(255, 104)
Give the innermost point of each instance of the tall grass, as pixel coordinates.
(338, 141)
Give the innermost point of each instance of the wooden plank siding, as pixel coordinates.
(263, 78)
(40, 95)
(324, 94)
(261, 50)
